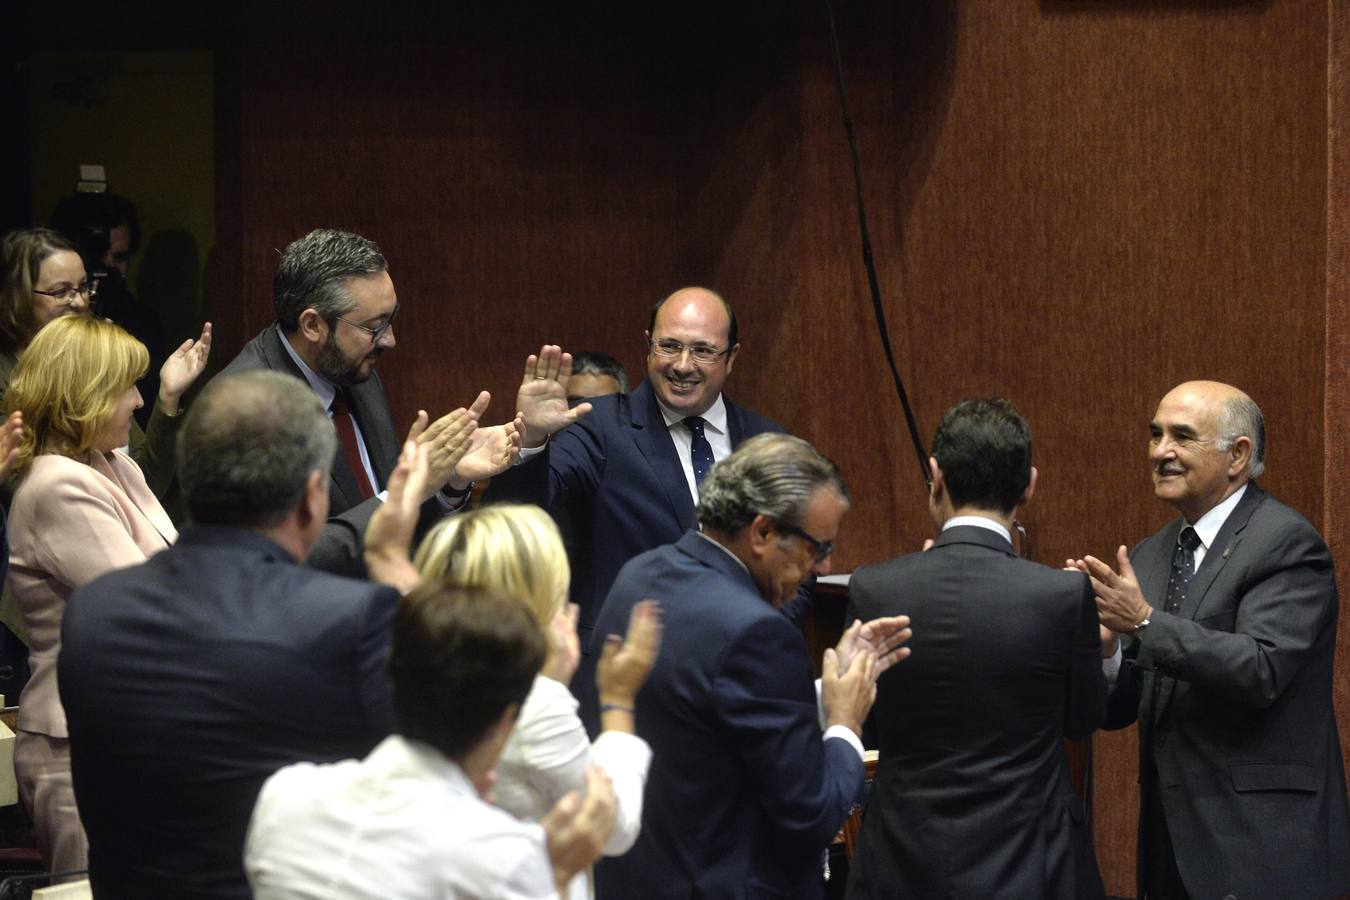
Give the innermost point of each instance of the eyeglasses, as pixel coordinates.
(86, 289)
(671, 349)
(822, 549)
(378, 331)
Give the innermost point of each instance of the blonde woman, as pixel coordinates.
(517, 550)
(82, 509)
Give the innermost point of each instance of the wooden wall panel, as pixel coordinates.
(1074, 204)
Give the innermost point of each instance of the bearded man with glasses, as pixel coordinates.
(335, 307)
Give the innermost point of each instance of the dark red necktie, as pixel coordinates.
(346, 432)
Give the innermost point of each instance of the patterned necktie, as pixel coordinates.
(701, 449)
(346, 432)
(1183, 567)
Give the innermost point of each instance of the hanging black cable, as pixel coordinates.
(872, 282)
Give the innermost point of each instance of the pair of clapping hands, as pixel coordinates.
(460, 451)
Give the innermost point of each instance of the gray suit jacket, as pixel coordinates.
(338, 549)
(1234, 701)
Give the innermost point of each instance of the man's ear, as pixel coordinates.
(731, 356)
(761, 531)
(313, 510)
(1031, 489)
(935, 484)
(1239, 456)
(312, 326)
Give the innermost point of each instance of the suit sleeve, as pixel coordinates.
(570, 467)
(1254, 646)
(806, 786)
(341, 544)
(1086, 686)
(153, 449)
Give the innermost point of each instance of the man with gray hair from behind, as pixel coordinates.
(190, 679)
(745, 790)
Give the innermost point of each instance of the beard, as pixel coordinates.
(334, 365)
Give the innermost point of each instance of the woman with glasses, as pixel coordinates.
(44, 279)
(83, 508)
(517, 550)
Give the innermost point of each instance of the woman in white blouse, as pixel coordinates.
(517, 550)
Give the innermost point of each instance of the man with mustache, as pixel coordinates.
(335, 307)
(1229, 617)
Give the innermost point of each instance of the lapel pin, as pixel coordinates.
(1227, 551)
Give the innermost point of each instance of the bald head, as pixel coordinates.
(1207, 441)
(692, 349)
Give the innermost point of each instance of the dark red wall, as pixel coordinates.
(1075, 205)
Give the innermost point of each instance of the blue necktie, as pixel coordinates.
(701, 449)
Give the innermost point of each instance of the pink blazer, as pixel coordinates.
(69, 523)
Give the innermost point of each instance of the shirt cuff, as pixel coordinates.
(1111, 667)
(528, 453)
(842, 731)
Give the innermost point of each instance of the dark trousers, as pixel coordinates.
(1162, 879)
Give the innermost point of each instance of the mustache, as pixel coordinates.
(1168, 469)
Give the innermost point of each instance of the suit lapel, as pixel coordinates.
(653, 441)
(1216, 557)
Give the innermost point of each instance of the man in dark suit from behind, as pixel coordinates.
(335, 309)
(972, 797)
(1230, 617)
(189, 679)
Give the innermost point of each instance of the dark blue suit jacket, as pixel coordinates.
(972, 796)
(618, 476)
(191, 678)
(743, 796)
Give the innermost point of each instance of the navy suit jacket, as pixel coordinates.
(339, 547)
(188, 680)
(617, 474)
(972, 796)
(743, 796)
(1233, 695)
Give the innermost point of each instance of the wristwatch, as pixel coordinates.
(1139, 627)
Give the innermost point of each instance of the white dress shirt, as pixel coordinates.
(404, 822)
(547, 755)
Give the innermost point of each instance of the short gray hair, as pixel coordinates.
(1241, 417)
(774, 475)
(248, 447)
(313, 272)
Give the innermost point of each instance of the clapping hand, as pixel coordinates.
(390, 532)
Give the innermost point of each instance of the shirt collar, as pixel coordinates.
(724, 550)
(978, 522)
(326, 390)
(715, 418)
(1207, 529)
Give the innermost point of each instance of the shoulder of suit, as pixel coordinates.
(752, 422)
